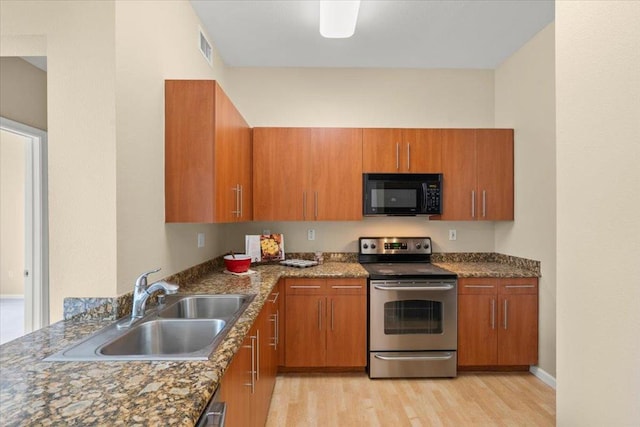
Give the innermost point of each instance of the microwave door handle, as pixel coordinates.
(424, 197)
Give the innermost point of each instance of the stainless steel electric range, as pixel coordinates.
(412, 309)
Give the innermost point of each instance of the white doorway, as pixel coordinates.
(24, 287)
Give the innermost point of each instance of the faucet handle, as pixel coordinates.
(141, 281)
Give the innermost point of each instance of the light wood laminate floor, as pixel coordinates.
(352, 399)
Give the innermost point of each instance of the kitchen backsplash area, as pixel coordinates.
(114, 308)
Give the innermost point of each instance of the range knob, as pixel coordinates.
(373, 246)
(426, 245)
(418, 246)
(365, 246)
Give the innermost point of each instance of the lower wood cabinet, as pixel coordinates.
(326, 323)
(248, 384)
(497, 322)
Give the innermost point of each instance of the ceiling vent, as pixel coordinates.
(205, 48)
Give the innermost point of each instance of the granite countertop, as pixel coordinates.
(33, 392)
(486, 269)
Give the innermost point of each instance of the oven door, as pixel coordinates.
(413, 315)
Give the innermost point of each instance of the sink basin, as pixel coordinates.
(189, 327)
(206, 307)
(164, 336)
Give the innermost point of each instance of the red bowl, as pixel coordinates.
(239, 264)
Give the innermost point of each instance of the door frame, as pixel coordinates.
(36, 260)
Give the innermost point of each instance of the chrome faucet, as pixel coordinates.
(141, 293)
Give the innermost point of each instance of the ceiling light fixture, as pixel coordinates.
(338, 18)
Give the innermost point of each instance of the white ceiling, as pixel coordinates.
(389, 33)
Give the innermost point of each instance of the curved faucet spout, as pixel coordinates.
(141, 294)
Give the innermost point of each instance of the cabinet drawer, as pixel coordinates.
(347, 286)
(477, 286)
(519, 286)
(305, 286)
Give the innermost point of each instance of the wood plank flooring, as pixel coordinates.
(352, 399)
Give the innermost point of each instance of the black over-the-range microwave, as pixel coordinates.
(402, 194)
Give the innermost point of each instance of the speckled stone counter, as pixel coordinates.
(33, 392)
(486, 269)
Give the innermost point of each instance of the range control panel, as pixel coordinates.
(395, 245)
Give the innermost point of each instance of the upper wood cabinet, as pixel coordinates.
(478, 174)
(207, 155)
(401, 150)
(307, 174)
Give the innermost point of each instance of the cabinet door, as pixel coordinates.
(422, 151)
(189, 150)
(347, 330)
(263, 364)
(459, 170)
(337, 174)
(236, 386)
(477, 322)
(381, 150)
(495, 174)
(281, 174)
(305, 330)
(232, 161)
(518, 327)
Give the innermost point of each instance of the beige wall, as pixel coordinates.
(598, 188)
(12, 175)
(154, 41)
(81, 135)
(525, 101)
(361, 98)
(24, 92)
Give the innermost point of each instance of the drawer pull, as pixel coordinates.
(479, 286)
(346, 287)
(304, 287)
(519, 286)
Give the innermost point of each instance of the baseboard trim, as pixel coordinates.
(543, 376)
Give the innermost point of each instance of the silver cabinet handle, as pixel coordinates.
(320, 315)
(274, 318)
(479, 286)
(408, 156)
(304, 287)
(258, 355)
(332, 307)
(252, 384)
(397, 156)
(473, 204)
(519, 286)
(241, 195)
(235, 212)
(493, 314)
(277, 327)
(304, 205)
(442, 356)
(484, 203)
(275, 298)
(506, 307)
(409, 288)
(315, 204)
(346, 287)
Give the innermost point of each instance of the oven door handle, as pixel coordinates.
(445, 356)
(416, 288)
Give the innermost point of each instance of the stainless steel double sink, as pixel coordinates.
(187, 327)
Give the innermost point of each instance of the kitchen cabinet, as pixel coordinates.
(325, 323)
(307, 174)
(497, 322)
(478, 174)
(207, 155)
(401, 150)
(247, 385)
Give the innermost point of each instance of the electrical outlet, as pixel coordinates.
(311, 234)
(452, 235)
(266, 232)
(201, 240)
